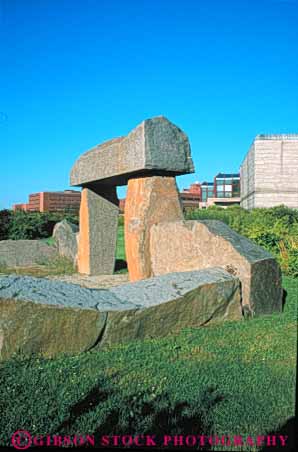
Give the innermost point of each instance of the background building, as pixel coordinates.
(51, 201)
(191, 197)
(269, 172)
(224, 191)
(227, 185)
(207, 191)
(20, 207)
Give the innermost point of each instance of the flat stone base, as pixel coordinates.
(51, 317)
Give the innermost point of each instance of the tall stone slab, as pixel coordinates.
(98, 232)
(149, 200)
(195, 245)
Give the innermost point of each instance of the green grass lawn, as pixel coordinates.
(235, 378)
(120, 250)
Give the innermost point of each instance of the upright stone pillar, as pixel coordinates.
(149, 200)
(98, 232)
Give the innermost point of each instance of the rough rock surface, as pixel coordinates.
(58, 293)
(28, 328)
(49, 317)
(98, 233)
(155, 145)
(172, 302)
(190, 245)
(93, 282)
(65, 235)
(25, 253)
(149, 200)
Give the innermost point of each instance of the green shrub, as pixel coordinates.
(5, 221)
(31, 225)
(121, 220)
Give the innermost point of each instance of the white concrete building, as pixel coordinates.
(269, 172)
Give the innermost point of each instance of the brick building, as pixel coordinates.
(51, 201)
(191, 197)
(269, 172)
(20, 207)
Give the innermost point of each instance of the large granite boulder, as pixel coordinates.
(193, 245)
(172, 302)
(153, 147)
(149, 200)
(49, 317)
(65, 235)
(28, 328)
(25, 253)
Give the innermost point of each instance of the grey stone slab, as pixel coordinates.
(24, 253)
(138, 295)
(38, 328)
(172, 302)
(57, 293)
(49, 317)
(155, 147)
(165, 288)
(98, 234)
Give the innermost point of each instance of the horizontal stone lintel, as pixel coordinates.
(122, 179)
(155, 147)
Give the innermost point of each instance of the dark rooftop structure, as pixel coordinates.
(227, 175)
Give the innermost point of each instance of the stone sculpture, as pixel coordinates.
(156, 148)
(157, 239)
(187, 273)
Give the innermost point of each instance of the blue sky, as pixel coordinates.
(75, 73)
